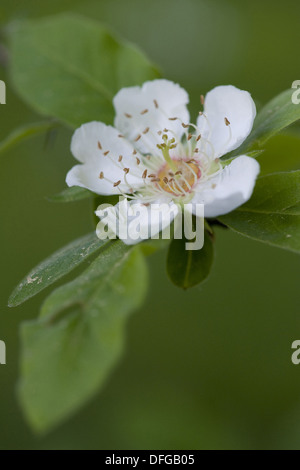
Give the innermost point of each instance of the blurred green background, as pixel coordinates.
(205, 369)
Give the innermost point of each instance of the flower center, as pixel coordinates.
(181, 178)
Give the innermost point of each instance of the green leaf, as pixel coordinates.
(187, 268)
(282, 153)
(278, 114)
(69, 352)
(24, 132)
(70, 67)
(56, 266)
(272, 215)
(75, 193)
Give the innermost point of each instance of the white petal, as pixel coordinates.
(89, 145)
(134, 222)
(151, 106)
(233, 104)
(230, 189)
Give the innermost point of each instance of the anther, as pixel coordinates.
(126, 171)
(173, 119)
(173, 146)
(155, 180)
(186, 126)
(144, 111)
(106, 153)
(159, 132)
(226, 121)
(179, 172)
(196, 150)
(200, 113)
(190, 136)
(145, 174)
(101, 176)
(99, 145)
(145, 131)
(213, 186)
(138, 161)
(151, 176)
(198, 138)
(121, 136)
(120, 158)
(171, 173)
(137, 138)
(155, 103)
(165, 180)
(117, 183)
(128, 115)
(202, 100)
(134, 152)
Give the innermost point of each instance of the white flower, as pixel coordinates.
(155, 155)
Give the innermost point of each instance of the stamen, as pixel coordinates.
(227, 123)
(126, 170)
(117, 183)
(186, 126)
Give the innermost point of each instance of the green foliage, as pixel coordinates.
(75, 193)
(187, 268)
(272, 215)
(24, 132)
(55, 267)
(70, 67)
(69, 352)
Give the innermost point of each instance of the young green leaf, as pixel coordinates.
(69, 352)
(187, 268)
(70, 67)
(56, 266)
(75, 193)
(272, 215)
(24, 132)
(278, 114)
